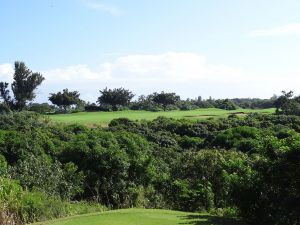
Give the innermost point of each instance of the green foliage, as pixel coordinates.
(244, 167)
(35, 206)
(42, 108)
(65, 99)
(3, 165)
(4, 93)
(117, 97)
(39, 173)
(226, 104)
(269, 196)
(165, 99)
(286, 104)
(24, 84)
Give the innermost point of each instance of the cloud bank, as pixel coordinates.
(286, 30)
(188, 74)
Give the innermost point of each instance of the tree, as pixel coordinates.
(4, 93)
(115, 97)
(65, 98)
(165, 99)
(287, 104)
(226, 104)
(24, 84)
(282, 102)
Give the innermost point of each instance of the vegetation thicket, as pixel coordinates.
(245, 167)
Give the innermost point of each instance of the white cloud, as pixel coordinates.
(73, 73)
(188, 74)
(96, 5)
(6, 72)
(286, 30)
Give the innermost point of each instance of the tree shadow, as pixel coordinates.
(208, 220)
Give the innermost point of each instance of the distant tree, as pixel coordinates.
(23, 87)
(165, 99)
(41, 108)
(226, 104)
(282, 102)
(65, 98)
(115, 97)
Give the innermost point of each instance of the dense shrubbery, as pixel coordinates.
(247, 166)
(20, 205)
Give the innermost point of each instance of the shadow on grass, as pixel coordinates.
(209, 220)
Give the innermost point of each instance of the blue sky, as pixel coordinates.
(194, 47)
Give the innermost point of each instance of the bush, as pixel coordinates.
(92, 108)
(226, 104)
(18, 206)
(107, 108)
(4, 109)
(37, 206)
(42, 108)
(3, 165)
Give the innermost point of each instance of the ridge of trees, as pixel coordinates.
(25, 82)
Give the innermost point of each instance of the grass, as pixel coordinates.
(142, 217)
(103, 118)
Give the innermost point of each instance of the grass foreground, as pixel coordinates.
(103, 118)
(142, 217)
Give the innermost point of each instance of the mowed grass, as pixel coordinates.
(103, 118)
(143, 217)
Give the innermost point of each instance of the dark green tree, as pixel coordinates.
(23, 87)
(165, 99)
(65, 98)
(24, 84)
(4, 93)
(226, 104)
(115, 97)
(286, 104)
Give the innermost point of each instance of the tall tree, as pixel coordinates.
(282, 102)
(23, 87)
(4, 93)
(24, 84)
(115, 97)
(65, 98)
(165, 99)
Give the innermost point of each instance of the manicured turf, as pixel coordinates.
(142, 217)
(103, 118)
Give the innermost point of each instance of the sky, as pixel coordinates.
(223, 49)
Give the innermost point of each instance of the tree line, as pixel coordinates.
(26, 82)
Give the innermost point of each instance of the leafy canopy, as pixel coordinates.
(115, 97)
(65, 98)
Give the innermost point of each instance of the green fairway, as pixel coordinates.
(142, 217)
(103, 118)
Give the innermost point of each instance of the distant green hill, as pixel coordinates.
(142, 217)
(103, 118)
